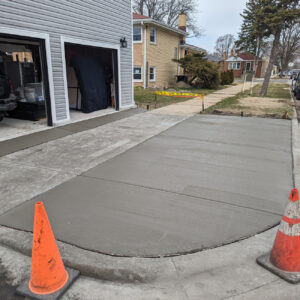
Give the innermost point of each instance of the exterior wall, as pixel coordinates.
(160, 55)
(239, 73)
(100, 21)
(138, 56)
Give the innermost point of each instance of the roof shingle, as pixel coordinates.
(137, 16)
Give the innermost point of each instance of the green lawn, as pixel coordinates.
(144, 97)
(275, 90)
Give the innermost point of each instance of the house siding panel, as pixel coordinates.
(160, 55)
(95, 21)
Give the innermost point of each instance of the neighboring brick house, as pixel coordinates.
(245, 62)
(154, 46)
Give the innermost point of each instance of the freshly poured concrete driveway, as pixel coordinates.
(207, 181)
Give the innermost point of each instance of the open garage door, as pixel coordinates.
(24, 86)
(92, 77)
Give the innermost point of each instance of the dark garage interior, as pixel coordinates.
(92, 77)
(22, 80)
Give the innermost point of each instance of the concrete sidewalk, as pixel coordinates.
(194, 106)
(228, 272)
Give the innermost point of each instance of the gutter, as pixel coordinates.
(145, 56)
(159, 24)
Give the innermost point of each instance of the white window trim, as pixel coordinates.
(153, 43)
(230, 65)
(152, 80)
(42, 36)
(138, 80)
(138, 42)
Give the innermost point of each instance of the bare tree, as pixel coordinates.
(289, 46)
(167, 11)
(224, 44)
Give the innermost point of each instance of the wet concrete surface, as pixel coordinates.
(205, 182)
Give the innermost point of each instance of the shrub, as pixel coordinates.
(207, 77)
(204, 74)
(227, 77)
(231, 76)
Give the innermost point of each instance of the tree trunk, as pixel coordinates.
(191, 81)
(264, 88)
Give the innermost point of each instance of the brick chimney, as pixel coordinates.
(232, 53)
(224, 57)
(182, 22)
(182, 25)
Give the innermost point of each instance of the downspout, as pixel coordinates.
(178, 57)
(145, 57)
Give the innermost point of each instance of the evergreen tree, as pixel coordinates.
(252, 32)
(263, 19)
(204, 73)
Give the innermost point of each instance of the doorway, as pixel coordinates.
(92, 78)
(248, 66)
(24, 83)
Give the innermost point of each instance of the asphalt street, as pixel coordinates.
(205, 182)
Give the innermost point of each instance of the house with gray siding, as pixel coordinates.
(67, 54)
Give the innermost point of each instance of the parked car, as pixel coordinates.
(296, 89)
(294, 80)
(294, 73)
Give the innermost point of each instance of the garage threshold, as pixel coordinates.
(52, 133)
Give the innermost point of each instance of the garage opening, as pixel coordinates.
(92, 78)
(24, 90)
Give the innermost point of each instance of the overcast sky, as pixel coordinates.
(217, 17)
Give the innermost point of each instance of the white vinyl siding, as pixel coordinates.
(100, 21)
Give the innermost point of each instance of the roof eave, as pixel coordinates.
(159, 24)
(186, 46)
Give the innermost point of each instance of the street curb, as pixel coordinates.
(92, 264)
(294, 142)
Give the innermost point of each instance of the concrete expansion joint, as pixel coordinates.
(183, 194)
(295, 149)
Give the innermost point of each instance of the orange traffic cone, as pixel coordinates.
(284, 259)
(48, 274)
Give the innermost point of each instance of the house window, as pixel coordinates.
(234, 65)
(137, 74)
(152, 74)
(175, 53)
(137, 34)
(152, 36)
